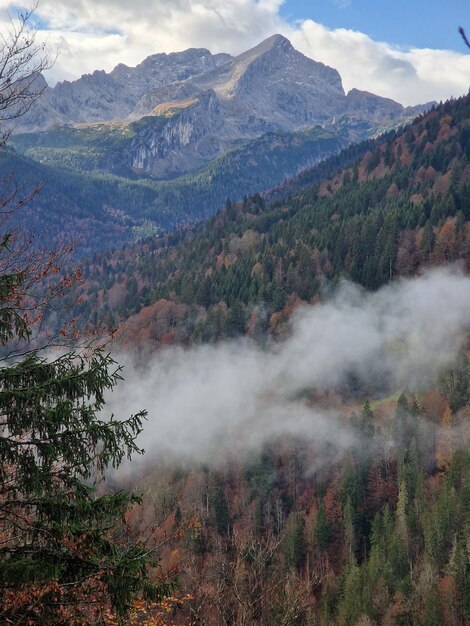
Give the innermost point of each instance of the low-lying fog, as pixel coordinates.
(210, 401)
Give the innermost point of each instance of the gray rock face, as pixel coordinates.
(365, 105)
(184, 142)
(269, 88)
(192, 106)
(101, 97)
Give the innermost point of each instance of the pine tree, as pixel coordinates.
(322, 532)
(367, 422)
(351, 604)
(221, 512)
(455, 384)
(432, 608)
(402, 518)
(349, 528)
(402, 416)
(294, 541)
(58, 537)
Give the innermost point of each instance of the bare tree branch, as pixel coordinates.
(22, 61)
(464, 36)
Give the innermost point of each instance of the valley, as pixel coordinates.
(303, 473)
(235, 334)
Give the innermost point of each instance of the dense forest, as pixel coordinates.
(378, 538)
(290, 534)
(404, 205)
(104, 205)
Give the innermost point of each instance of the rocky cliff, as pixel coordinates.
(179, 111)
(102, 96)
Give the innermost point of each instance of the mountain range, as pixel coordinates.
(378, 210)
(307, 441)
(215, 124)
(287, 529)
(173, 113)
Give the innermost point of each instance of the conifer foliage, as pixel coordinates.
(63, 557)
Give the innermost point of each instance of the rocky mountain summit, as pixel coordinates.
(175, 113)
(104, 97)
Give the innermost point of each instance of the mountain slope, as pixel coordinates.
(102, 97)
(114, 209)
(269, 88)
(404, 205)
(174, 113)
(359, 515)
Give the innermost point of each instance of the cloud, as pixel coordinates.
(99, 35)
(102, 34)
(408, 76)
(210, 402)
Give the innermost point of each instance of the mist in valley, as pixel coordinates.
(210, 403)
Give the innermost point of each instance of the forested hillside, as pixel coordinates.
(187, 131)
(294, 532)
(380, 537)
(402, 206)
(95, 212)
(106, 209)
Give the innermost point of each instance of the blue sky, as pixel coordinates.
(409, 23)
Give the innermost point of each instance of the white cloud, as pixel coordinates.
(409, 76)
(98, 35)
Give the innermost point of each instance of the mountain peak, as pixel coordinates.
(275, 79)
(276, 44)
(275, 41)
